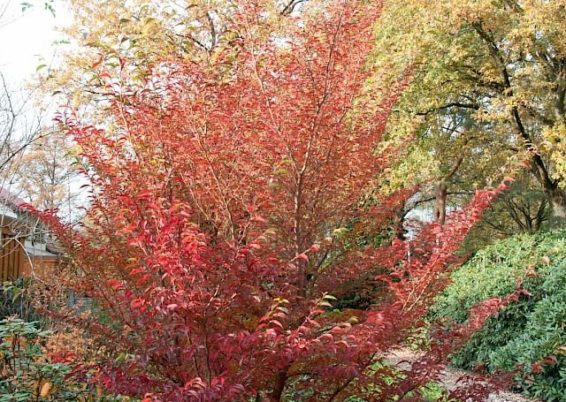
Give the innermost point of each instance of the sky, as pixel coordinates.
(27, 38)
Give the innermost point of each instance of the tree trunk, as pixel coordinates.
(557, 200)
(555, 195)
(277, 392)
(440, 208)
(400, 231)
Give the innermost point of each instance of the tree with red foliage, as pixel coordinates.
(219, 192)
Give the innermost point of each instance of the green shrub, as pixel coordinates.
(28, 374)
(25, 374)
(527, 332)
(16, 300)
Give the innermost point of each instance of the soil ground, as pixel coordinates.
(449, 377)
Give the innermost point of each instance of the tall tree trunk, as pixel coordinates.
(440, 207)
(442, 190)
(555, 195)
(557, 200)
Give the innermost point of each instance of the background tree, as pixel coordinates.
(45, 176)
(18, 128)
(488, 94)
(35, 163)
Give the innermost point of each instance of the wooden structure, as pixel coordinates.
(24, 241)
(12, 257)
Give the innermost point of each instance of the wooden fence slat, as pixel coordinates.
(11, 253)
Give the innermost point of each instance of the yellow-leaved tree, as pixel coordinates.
(487, 100)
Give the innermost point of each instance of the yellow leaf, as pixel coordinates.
(45, 389)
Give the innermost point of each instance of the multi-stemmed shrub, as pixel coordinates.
(224, 197)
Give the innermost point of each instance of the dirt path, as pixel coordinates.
(449, 377)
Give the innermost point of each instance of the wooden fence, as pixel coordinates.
(12, 258)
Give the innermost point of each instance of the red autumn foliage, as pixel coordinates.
(213, 243)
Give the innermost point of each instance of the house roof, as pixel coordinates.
(10, 199)
(9, 206)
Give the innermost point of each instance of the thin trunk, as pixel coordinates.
(277, 392)
(442, 190)
(557, 199)
(440, 207)
(400, 231)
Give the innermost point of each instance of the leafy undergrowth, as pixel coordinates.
(30, 371)
(31, 368)
(389, 376)
(529, 335)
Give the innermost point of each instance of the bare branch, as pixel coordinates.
(290, 7)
